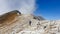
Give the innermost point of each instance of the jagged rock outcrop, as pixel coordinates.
(38, 18)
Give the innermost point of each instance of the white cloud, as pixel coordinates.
(24, 6)
(3, 6)
(28, 6)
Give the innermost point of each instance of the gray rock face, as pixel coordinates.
(15, 11)
(38, 18)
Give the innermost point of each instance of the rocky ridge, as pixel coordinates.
(16, 23)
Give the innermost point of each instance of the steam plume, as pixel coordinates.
(24, 6)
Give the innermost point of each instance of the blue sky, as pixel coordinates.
(49, 9)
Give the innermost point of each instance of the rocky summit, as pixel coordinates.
(16, 23)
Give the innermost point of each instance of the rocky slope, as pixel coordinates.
(16, 23)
